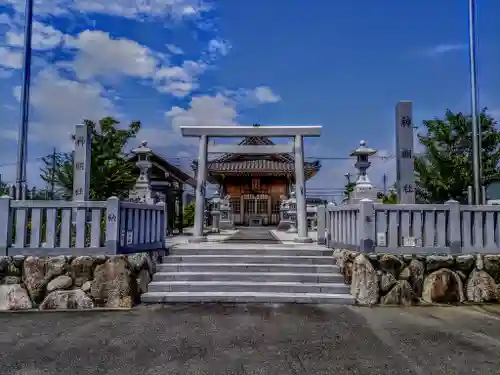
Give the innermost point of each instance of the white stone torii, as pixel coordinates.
(297, 132)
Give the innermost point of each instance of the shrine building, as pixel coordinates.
(256, 184)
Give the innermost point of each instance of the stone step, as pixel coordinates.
(251, 250)
(270, 259)
(246, 297)
(250, 276)
(247, 286)
(246, 267)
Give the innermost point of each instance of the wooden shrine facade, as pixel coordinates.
(168, 184)
(256, 184)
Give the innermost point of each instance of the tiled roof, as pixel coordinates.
(261, 165)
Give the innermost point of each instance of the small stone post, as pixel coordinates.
(5, 225)
(226, 218)
(366, 226)
(321, 217)
(454, 227)
(216, 212)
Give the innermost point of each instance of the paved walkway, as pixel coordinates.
(252, 235)
(218, 339)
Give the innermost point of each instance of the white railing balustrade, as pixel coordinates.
(79, 228)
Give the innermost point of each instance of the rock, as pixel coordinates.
(401, 294)
(405, 274)
(67, 299)
(4, 264)
(143, 280)
(391, 264)
(416, 268)
(481, 287)
(60, 283)
(82, 269)
(407, 258)
(56, 266)
(492, 266)
(443, 286)
(435, 262)
(87, 285)
(462, 275)
(141, 261)
(34, 278)
(14, 297)
(347, 272)
(464, 263)
(114, 284)
(387, 280)
(11, 280)
(364, 285)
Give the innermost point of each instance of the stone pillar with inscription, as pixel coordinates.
(142, 190)
(364, 188)
(405, 167)
(81, 162)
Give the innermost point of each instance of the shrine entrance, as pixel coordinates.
(255, 210)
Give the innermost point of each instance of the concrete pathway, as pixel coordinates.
(254, 235)
(281, 340)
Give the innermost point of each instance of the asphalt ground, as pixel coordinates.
(253, 339)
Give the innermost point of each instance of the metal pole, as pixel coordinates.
(476, 131)
(22, 144)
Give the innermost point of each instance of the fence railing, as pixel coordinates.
(80, 228)
(418, 228)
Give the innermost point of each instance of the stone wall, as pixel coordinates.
(80, 282)
(408, 279)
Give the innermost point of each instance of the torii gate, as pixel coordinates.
(297, 148)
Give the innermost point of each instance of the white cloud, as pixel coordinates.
(250, 97)
(219, 47)
(133, 9)
(175, 49)
(205, 111)
(60, 104)
(443, 48)
(264, 94)
(99, 55)
(10, 59)
(179, 81)
(45, 37)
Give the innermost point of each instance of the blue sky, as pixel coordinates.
(340, 64)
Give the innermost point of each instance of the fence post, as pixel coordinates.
(366, 226)
(321, 223)
(454, 227)
(113, 225)
(5, 225)
(162, 223)
(329, 225)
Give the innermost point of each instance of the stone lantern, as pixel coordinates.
(292, 213)
(364, 188)
(142, 191)
(216, 213)
(226, 213)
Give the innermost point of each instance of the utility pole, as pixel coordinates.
(384, 179)
(53, 174)
(22, 144)
(476, 128)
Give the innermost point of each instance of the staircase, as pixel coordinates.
(245, 273)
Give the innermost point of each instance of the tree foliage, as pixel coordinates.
(188, 215)
(444, 169)
(111, 172)
(348, 189)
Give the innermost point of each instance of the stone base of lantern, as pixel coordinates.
(284, 225)
(303, 240)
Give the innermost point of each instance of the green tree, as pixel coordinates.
(4, 189)
(188, 216)
(391, 198)
(110, 173)
(444, 169)
(349, 188)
